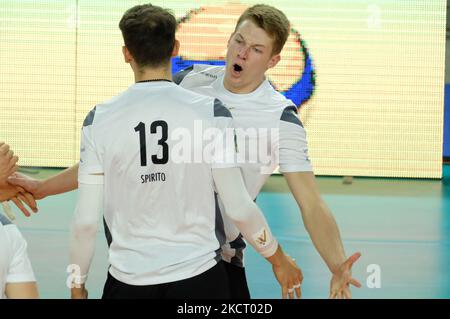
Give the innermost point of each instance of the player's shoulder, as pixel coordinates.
(279, 105)
(11, 231)
(201, 103)
(275, 98)
(290, 115)
(104, 108)
(4, 221)
(198, 74)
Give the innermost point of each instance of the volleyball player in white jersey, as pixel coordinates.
(163, 227)
(17, 279)
(257, 107)
(253, 48)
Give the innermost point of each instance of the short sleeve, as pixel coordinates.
(20, 269)
(293, 146)
(225, 147)
(180, 75)
(90, 162)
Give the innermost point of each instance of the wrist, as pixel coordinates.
(42, 188)
(277, 258)
(78, 293)
(335, 267)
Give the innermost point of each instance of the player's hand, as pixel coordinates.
(79, 293)
(31, 185)
(19, 197)
(23, 197)
(288, 274)
(8, 162)
(342, 279)
(7, 192)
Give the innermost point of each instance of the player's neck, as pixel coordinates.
(147, 74)
(238, 88)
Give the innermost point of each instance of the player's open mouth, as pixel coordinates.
(237, 69)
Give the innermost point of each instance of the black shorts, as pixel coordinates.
(237, 281)
(212, 284)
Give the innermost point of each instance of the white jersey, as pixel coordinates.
(15, 266)
(160, 212)
(264, 118)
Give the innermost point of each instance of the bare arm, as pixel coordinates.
(324, 232)
(318, 220)
(63, 182)
(22, 290)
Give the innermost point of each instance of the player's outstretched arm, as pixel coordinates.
(65, 181)
(251, 222)
(324, 232)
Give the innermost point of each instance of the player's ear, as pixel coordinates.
(274, 60)
(229, 39)
(176, 48)
(126, 55)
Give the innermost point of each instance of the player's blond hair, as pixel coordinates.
(271, 20)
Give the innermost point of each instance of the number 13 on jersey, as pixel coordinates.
(162, 142)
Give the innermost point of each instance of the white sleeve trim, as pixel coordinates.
(91, 179)
(19, 278)
(292, 168)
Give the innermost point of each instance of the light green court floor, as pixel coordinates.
(401, 227)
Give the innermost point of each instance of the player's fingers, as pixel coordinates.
(291, 292)
(355, 283)
(12, 165)
(284, 291)
(347, 293)
(9, 155)
(298, 290)
(20, 206)
(352, 259)
(28, 199)
(4, 149)
(13, 161)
